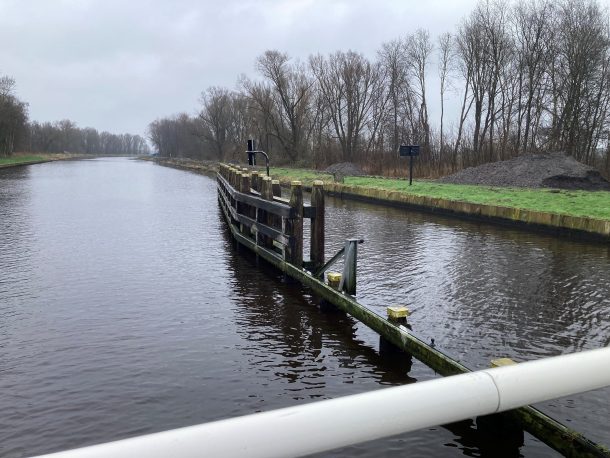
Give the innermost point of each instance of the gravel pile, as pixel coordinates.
(551, 170)
(345, 169)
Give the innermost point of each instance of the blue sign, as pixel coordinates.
(408, 150)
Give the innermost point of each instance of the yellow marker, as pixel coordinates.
(334, 278)
(502, 362)
(396, 312)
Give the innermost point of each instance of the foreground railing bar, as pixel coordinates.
(330, 424)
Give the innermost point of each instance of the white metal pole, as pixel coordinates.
(325, 425)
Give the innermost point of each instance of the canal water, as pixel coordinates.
(125, 309)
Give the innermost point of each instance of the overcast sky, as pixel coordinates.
(117, 65)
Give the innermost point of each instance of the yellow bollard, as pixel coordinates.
(397, 312)
(334, 278)
(502, 362)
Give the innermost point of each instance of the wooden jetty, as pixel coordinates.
(272, 227)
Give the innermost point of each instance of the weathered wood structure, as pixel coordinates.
(272, 227)
(270, 222)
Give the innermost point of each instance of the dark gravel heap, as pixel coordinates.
(345, 169)
(550, 170)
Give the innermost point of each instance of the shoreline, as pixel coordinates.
(574, 227)
(578, 227)
(44, 158)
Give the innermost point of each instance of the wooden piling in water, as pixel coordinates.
(294, 226)
(245, 183)
(240, 206)
(255, 181)
(245, 188)
(277, 189)
(317, 224)
(262, 216)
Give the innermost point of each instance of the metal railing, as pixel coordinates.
(326, 425)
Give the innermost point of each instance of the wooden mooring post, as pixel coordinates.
(290, 260)
(317, 224)
(293, 226)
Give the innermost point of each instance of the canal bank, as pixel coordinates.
(567, 225)
(31, 159)
(572, 226)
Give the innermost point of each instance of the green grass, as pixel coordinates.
(19, 159)
(592, 204)
(304, 175)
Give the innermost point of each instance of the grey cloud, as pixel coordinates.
(117, 65)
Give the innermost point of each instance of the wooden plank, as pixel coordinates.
(270, 232)
(271, 206)
(260, 227)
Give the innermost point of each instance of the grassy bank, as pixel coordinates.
(25, 158)
(17, 160)
(589, 204)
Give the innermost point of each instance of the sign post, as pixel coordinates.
(410, 151)
(252, 155)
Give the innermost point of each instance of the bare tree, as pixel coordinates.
(13, 116)
(445, 61)
(470, 43)
(579, 68)
(419, 48)
(533, 31)
(393, 60)
(291, 89)
(349, 84)
(216, 116)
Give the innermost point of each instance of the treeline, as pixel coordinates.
(17, 134)
(13, 117)
(65, 135)
(523, 77)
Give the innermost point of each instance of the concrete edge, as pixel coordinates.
(578, 227)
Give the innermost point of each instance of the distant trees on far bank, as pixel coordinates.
(526, 76)
(13, 117)
(65, 135)
(17, 134)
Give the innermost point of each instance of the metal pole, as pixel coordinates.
(326, 425)
(348, 279)
(410, 170)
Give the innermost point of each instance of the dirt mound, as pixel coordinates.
(550, 170)
(345, 169)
